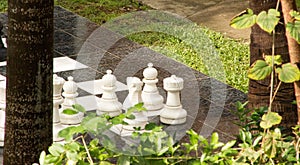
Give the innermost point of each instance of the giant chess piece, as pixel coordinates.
(58, 83)
(153, 101)
(134, 97)
(70, 93)
(109, 103)
(172, 113)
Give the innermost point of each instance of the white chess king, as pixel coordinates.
(172, 113)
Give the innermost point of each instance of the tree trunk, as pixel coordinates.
(28, 126)
(259, 91)
(294, 48)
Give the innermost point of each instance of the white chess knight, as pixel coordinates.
(134, 97)
(109, 103)
(173, 113)
(70, 93)
(153, 101)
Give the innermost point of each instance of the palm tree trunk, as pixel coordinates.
(294, 48)
(261, 44)
(28, 125)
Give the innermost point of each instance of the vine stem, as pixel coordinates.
(277, 88)
(86, 148)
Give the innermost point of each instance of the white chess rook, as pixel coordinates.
(70, 93)
(153, 101)
(109, 103)
(173, 113)
(134, 97)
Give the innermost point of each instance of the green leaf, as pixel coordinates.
(244, 20)
(214, 138)
(42, 158)
(228, 145)
(69, 111)
(277, 59)
(295, 14)
(150, 126)
(49, 159)
(79, 108)
(268, 21)
(270, 119)
(259, 70)
(72, 155)
(294, 30)
(288, 73)
(56, 149)
(124, 160)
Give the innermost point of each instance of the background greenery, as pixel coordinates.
(233, 53)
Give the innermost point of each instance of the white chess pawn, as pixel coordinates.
(70, 93)
(172, 113)
(134, 97)
(153, 101)
(109, 103)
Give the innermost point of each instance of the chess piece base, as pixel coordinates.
(173, 115)
(71, 119)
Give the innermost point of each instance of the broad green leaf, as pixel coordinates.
(268, 21)
(79, 108)
(288, 73)
(42, 158)
(270, 119)
(244, 20)
(214, 138)
(259, 70)
(49, 159)
(56, 149)
(294, 30)
(277, 59)
(69, 111)
(228, 145)
(68, 132)
(295, 14)
(73, 146)
(72, 155)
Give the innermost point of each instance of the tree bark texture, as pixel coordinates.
(261, 44)
(28, 126)
(294, 48)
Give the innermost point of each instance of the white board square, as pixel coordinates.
(94, 86)
(88, 102)
(65, 63)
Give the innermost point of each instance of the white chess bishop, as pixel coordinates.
(173, 113)
(70, 93)
(153, 101)
(134, 97)
(109, 103)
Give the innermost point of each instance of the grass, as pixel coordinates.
(234, 54)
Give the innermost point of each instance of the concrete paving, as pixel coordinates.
(214, 14)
